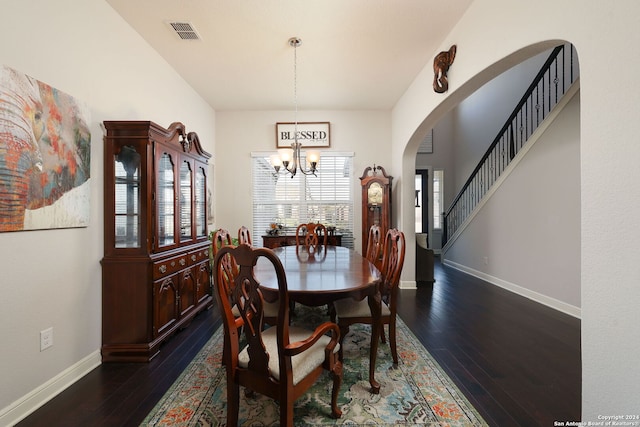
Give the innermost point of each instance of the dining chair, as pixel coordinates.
(281, 361)
(222, 238)
(347, 312)
(374, 246)
(228, 271)
(311, 235)
(244, 236)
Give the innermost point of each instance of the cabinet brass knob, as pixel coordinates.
(163, 268)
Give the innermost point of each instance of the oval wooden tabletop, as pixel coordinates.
(318, 278)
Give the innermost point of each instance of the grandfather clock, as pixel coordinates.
(376, 201)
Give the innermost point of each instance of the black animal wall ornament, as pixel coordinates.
(441, 64)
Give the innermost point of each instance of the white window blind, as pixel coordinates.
(326, 198)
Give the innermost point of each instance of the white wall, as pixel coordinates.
(527, 236)
(365, 133)
(52, 278)
(478, 119)
(602, 32)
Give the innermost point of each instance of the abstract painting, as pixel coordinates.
(45, 153)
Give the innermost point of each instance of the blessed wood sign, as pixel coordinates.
(310, 134)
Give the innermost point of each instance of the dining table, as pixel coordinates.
(320, 276)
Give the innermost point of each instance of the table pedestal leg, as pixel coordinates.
(376, 313)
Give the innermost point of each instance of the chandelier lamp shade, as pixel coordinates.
(289, 159)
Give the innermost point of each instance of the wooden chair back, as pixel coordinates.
(266, 364)
(244, 236)
(374, 246)
(228, 268)
(311, 235)
(392, 263)
(348, 312)
(271, 309)
(220, 239)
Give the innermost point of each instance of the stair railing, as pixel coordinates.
(552, 81)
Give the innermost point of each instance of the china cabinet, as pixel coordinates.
(155, 270)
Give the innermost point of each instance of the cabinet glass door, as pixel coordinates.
(127, 198)
(185, 200)
(165, 200)
(201, 207)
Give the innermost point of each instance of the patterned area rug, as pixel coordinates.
(417, 393)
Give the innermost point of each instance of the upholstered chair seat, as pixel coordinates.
(301, 364)
(349, 308)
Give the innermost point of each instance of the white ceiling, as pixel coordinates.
(355, 54)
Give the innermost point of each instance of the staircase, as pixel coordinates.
(552, 82)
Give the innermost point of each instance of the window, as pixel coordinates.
(438, 198)
(422, 201)
(325, 198)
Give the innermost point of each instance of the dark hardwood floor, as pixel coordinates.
(518, 362)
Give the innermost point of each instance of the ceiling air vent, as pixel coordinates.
(185, 30)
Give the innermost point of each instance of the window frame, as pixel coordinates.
(438, 198)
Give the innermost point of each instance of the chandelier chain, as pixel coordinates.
(293, 163)
(295, 87)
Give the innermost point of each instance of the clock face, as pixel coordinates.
(374, 194)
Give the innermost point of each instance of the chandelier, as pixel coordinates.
(290, 158)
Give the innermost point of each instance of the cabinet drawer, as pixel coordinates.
(273, 242)
(169, 265)
(197, 256)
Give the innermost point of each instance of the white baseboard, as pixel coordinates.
(407, 284)
(569, 309)
(33, 400)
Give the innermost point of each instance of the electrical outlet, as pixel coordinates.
(485, 260)
(46, 339)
